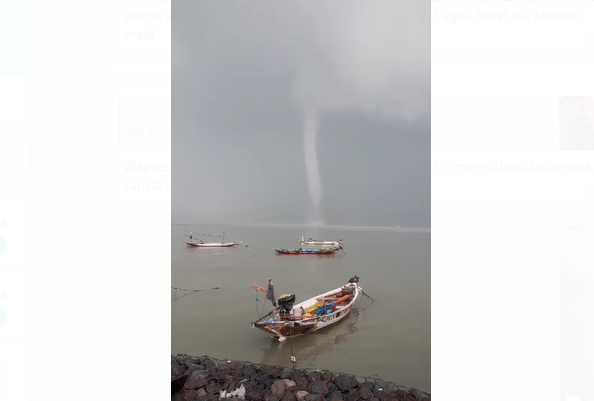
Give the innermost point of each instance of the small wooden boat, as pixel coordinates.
(307, 251)
(202, 244)
(311, 347)
(213, 244)
(316, 242)
(311, 315)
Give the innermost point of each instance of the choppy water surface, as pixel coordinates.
(390, 338)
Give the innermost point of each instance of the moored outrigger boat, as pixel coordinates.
(308, 251)
(202, 244)
(311, 315)
(316, 242)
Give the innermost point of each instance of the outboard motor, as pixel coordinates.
(354, 280)
(285, 305)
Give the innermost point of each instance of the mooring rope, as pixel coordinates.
(257, 310)
(188, 292)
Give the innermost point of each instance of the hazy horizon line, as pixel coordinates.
(311, 226)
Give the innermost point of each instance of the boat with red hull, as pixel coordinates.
(308, 251)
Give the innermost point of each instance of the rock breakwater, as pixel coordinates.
(208, 378)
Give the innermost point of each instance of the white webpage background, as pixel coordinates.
(77, 241)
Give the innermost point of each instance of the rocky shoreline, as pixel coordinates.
(207, 378)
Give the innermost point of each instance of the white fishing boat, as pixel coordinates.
(316, 242)
(311, 315)
(203, 244)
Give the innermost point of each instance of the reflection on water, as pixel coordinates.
(313, 262)
(212, 251)
(310, 346)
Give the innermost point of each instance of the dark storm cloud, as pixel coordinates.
(246, 75)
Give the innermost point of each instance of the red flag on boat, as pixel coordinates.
(258, 288)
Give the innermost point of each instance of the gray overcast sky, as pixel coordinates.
(300, 111)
